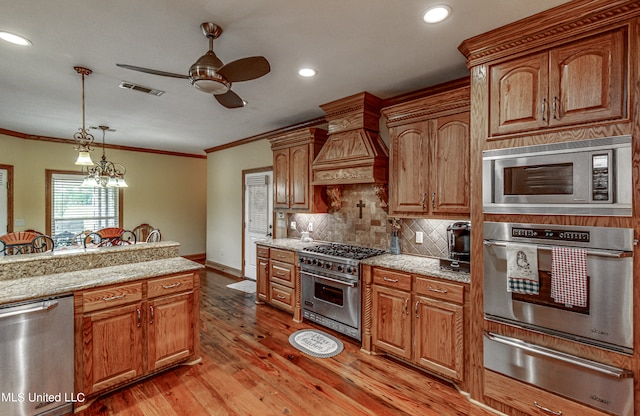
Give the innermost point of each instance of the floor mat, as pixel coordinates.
(247, 286)
(316, 343)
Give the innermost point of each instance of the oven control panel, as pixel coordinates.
(547, 234)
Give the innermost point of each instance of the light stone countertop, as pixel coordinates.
(403, 262)
(25, 288)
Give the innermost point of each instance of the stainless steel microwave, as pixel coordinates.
(582, 177)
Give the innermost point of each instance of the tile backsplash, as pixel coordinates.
(373, 229)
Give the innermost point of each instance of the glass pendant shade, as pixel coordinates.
(84, 159)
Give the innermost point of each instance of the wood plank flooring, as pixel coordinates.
(249, 368)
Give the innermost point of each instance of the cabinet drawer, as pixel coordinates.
(283, 255)
(392, 279)
(439, 289)
(94, 300)
(524, 397)
(282, 296)
(168, 285)
(262, 251)
(283, 273)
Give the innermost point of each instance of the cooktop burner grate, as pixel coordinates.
(344, 251)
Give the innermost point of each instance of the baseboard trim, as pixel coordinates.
(224, 270)
(198, 258)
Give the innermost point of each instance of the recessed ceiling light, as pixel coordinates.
(437, 14)
(307, 72)
(15, 39)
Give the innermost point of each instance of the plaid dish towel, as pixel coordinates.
(569, 276)
(522, 269)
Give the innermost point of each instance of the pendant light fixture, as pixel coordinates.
(83, 139)
(104, 173)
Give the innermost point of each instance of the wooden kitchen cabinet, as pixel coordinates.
(262, 278)
(125, 332)
(293, 154)
(576, 83)
(430, 155)
(419, 319)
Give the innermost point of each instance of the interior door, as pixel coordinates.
(258, 216)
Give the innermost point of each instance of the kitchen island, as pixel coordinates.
(135, 308)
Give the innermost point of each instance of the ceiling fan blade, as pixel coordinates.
(230, 99)
(152, 71)
(245, 69)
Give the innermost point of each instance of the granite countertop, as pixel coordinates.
(25, 288)
(403, 262)
(416, 264)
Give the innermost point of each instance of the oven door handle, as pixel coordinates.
(545, 352)
(317, 276)
(591, 252)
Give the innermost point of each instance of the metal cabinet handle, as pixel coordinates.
(406, 306)
(555, 108)
(544, 109)
(386, 279)
(280, 296)
(424, 200)
(114, 297)
(153, 314)
(433, 200)
(139, 317)
(416, 309)
(171, 286)
(437, 290)
(544, 409)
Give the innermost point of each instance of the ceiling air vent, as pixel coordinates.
(136, 87)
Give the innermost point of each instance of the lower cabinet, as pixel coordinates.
(278, 279)
(127, 331)
(419, 319)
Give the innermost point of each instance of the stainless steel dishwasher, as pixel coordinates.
(36, 357)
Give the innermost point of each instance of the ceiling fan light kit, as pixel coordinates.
(210, 75)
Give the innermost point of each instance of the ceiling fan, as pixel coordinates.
(208, 74)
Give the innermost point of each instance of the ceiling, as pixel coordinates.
(379, 46)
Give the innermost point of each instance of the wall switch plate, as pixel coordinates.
(310, 228)
(419, 237)
(293, 225)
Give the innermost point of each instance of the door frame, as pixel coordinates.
(9, 169)
(244, 207)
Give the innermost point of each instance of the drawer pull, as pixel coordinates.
(106, 299)
(171, 286)
(437, 290)
(386, 279)
(280, 296)
(544, 409)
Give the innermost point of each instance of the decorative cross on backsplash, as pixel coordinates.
(361, 205)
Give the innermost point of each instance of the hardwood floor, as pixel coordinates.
(249, 368)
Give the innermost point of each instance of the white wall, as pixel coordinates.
(168, 192)
(224, 199)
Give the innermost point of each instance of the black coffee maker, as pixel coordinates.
(459, 245)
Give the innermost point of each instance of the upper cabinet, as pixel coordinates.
(576, 83)
(293, 154)
(429, 156)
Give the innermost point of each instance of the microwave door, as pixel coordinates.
(548, 179)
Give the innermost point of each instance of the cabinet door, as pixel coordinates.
(450, 173)
(170, 330)
(439, 338)
(518, 95)
(281, 178)
(299, 177)
(391, 329)
(587, 80)
(263, 279)
(113, 347)
(409, 168)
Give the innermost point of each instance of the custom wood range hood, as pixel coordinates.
(354, 153)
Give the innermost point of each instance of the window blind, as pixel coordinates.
(76, 209)
(257, 189)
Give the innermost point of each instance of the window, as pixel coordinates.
(72, 209)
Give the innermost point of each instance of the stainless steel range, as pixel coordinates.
(330, 277)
